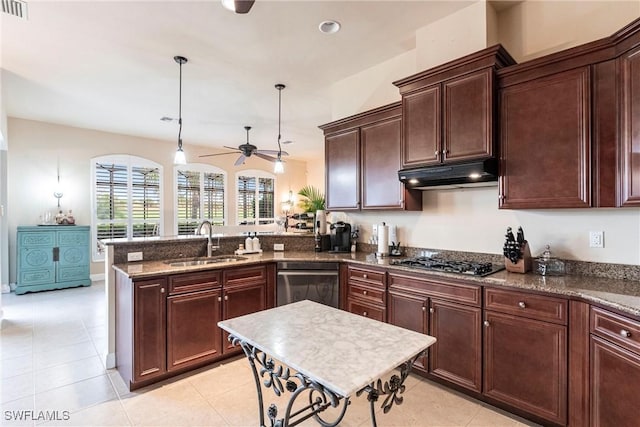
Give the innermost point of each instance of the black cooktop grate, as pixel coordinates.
(450, 266)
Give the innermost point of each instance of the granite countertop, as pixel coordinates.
(623, 295)
(362, 352)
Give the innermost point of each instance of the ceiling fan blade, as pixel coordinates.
(264, 157)
(240, 160)
(231, 148)
(216, 154)
(243, 6)
(272, 152)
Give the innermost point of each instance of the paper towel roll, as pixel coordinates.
(383, 239)
(321, 222)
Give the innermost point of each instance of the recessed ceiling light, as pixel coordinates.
(329, 27)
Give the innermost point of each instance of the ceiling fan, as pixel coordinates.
(248, 150)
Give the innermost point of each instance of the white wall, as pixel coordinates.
(469, 220)
(36, 148)
(4, 240)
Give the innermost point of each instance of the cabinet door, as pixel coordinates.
(35, 258)
(342, 158)
(421, 116)
(149, 329)
(193, 335)
(73, 255)
(630, 73)
(380, 148)
(468, 117)
(525, 365)
(409, 311)
(238, 301)
(457, 355)
(615, 375)
(545, 142)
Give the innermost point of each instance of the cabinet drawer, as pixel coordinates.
(191, 282)
(367, 310)
(458, 292)
(245, 274)
(373, 294)
(539, 307)
(621, 330)
(369, 277)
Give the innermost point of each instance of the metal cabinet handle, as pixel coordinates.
(364, 276)
(162, 290)
(625, 333)
(364, 292)
(226, 297)
(486, 323)
(424, 308)
(521, 304)
(437, 153)
(501, 197)
(431, 310)
(219, 299)
(364, 314)
(445, 151)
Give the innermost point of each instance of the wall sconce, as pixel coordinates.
(57, 192)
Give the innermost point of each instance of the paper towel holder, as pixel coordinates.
(383, 241)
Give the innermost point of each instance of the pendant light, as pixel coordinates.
(180, 158)
(278, 167)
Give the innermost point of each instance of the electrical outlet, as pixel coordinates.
(596, 239)
(278, 246)
(134, 256)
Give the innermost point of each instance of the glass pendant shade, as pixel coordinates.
(278, 166)
(179, 158)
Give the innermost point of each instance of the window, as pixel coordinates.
(255, 202)
(200, 195)
(126, 198)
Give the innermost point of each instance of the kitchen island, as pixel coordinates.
(335, 355)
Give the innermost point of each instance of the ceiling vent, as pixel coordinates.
(16, 8)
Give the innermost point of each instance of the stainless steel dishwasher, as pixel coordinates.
(315, 281)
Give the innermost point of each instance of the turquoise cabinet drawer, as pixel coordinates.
(73, 238)
(30, 240)
(37, 277)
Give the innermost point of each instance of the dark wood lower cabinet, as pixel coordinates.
(410, 311)
(149, 329)
(615, 376)
(193, 336)
(525, 365)
(238, 301)
(457, 355)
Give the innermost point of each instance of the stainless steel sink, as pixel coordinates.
(203, 261)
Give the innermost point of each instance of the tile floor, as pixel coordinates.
(51, 364)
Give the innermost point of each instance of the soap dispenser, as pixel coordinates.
(255, 242)
(248, 243)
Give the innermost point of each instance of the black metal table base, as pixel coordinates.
(280, 379)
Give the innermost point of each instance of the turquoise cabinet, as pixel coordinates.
(52, 257)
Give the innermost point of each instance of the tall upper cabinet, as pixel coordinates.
(570, 127)
(449, 112)
(362, 159)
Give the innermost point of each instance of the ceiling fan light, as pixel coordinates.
(237, 6)
(278, 166)
(179, 158)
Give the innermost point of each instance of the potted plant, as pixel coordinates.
(314, 199)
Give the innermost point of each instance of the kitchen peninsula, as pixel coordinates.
(480, 319)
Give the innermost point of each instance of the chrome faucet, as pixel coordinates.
(210, 246)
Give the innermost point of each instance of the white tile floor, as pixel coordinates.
(51, 365)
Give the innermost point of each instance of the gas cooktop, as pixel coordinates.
(461, 267)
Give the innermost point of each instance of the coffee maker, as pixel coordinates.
(340, 237)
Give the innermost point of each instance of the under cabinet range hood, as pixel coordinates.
(478, 173)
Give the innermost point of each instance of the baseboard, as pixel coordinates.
(96, 277)
(110, 361)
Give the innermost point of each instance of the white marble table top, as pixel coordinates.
(340, 350)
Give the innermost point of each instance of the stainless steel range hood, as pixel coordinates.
(479, 173)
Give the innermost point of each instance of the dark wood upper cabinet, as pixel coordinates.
(630, 80)
(342, 161)
(570, 126)
(362, 159)
(449, 111)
